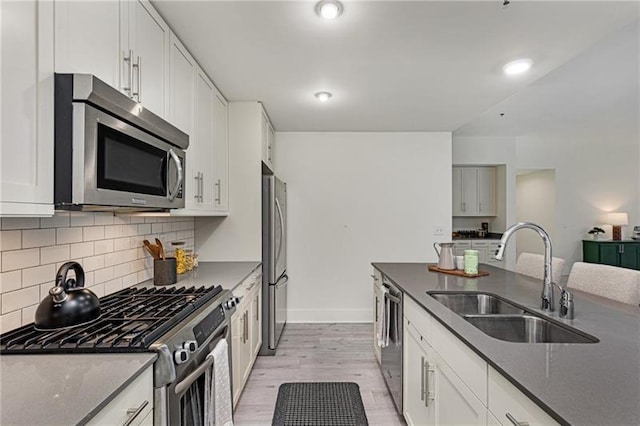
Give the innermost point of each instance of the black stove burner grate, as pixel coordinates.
(131, 320)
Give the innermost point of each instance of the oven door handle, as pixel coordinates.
(188, 381)
(173, 194)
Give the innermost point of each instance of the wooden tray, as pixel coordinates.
(458, 272)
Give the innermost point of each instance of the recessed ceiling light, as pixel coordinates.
(517, 67)
(323, 96)
(329, 9)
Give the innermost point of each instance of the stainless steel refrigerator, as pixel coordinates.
(274, 262)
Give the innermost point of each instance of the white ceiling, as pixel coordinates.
(391, 65)
(593, 94)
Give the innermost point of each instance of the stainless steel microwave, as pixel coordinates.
(111, 153)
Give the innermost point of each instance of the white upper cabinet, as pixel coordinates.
(181, 78)
(203, 139)
(486, 191)
(267, 139)
(474, 191)
(221, 153)
(87, 39)
(125, 44)
(144, 43)
(207, 181)
(26, 113)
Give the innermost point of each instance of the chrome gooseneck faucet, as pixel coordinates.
(566, 299)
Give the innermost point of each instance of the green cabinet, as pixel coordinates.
(625, 253)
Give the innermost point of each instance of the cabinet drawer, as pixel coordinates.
(418, 317)
(462, 244)
(124, 405)
(504, 398)
(470, 367)
(476, 244)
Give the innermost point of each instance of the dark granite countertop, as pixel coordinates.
(64, 389)
(597, 383)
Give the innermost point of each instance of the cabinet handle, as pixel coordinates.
(257, 303)
(128, 60)
(480, 206)
(197, 194)
(515, 422)
(621, 248)
(202, 187)
(422, 392)
(246, 326)
(269, 151)
(137, 67)
(242, 337)
(464, 206)
(218, 191)
(134, 412)
(428, 393)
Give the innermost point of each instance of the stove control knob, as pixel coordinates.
(190, 345)
(232, 302)
(180, 356)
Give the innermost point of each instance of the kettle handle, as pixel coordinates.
(61, 276)
(436, 248)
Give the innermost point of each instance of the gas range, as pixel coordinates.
(131, 320)
(182, 325)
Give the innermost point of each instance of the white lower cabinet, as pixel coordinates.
(434, 394)
(132, 406)
(415, 359)
(510, 406)
(446, 383)
(246, 332)
(454, 402)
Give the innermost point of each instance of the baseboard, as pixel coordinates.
(329, 315)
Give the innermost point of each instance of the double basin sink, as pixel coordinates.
(505, 320)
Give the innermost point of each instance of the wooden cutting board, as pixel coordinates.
(458, 272)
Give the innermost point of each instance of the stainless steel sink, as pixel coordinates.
(527, 329)
(505, 320)
(465, 303)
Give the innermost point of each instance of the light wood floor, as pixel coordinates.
(318, 353)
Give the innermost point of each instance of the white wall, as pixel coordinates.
(353, 199)
(535, 202)
(238, 237)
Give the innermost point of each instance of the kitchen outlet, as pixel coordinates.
(438, 230)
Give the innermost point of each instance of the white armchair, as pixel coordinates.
(615, 283)
(533, 265)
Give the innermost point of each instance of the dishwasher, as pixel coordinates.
(392, 347)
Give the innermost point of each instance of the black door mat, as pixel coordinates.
(319, 404)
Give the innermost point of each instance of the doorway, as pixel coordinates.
(535, 202)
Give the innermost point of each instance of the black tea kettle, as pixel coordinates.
(68, 304)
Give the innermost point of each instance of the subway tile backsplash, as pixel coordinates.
(108, 247)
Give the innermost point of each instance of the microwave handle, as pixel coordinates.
(173, 194)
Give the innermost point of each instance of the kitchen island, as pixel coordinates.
(591, 383)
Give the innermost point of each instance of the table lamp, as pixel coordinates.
(617, 220)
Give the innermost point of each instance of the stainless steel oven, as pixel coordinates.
(179, 389)
(186, 395)
(392, 352)
(111, 153)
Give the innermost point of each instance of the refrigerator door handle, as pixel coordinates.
(280, 217)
